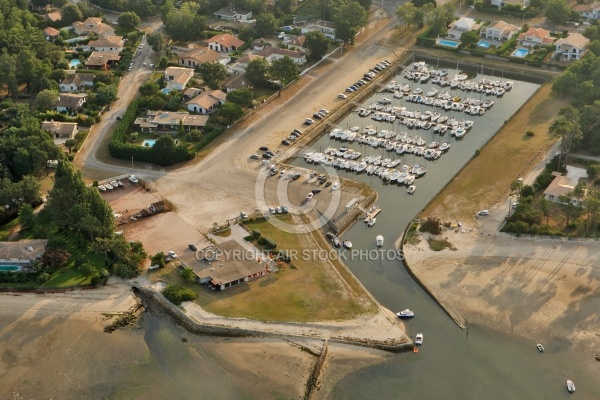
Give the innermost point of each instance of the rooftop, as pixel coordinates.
(226, 39)
(23, 249)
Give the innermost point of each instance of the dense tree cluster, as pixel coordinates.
(437, 18)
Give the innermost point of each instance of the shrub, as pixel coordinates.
(249, 238)
(530, 133)
(177, 294)
(43, 278)
(267, 242)
(432, 225)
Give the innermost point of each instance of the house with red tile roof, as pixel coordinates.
(224, 43)
(535, 37)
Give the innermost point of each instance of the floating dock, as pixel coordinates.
(372, 214)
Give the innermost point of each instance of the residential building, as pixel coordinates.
(23, 254)
(168, 121)
(573, 47)
(68, 102)
(177, 78)
(231, 14)
(499, 31)
(52, 16)
(294, 42)
(326, 27)
(190, 93)
(224, 43)
(106, 43)
(561, 186)
(260, 44)
(242, 63)
(501, 3)
(206, 102)
(460, 26)
(93, 25)
(51, 33)
(102, 60)
(234, 82)
(193, 58)
(60, 131)
(230, 271)
(273, 53)
(535, 37)
(589, 11)
(76, 82)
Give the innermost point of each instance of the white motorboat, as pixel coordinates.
(379, 240)
(540, 347)
(133, 178)
(336, 242)
(371, 222)
(570, 386)
(411, 189)
(419, 339)
(444, 146)
(405, 314)
(347, 244)
(108, 186)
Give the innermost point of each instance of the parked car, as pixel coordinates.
(254, 157)
(285, 142)
(243, 215)
(308, 121)
(342, 96)
(119, 118)
(167, 259)
(269, 152)
(267, 155)
(297, 131)
(263, 148)
(284, 209)
(316, 191)
(317, 116)
(296, 177)
(484, 212)
(279, 210)
(192, 247)
(328, 183)
(172, 254)
(350, 89)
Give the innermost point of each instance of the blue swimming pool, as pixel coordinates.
(448, 43)
(166, 90)
(74, 63)
(520, 53)
(148, 142)
(10, 268)
(484, 43)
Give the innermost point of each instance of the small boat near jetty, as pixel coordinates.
(411, 189)
(405, 314)
(371, 222)
(419, 339)
(570, 386)
(347, 244)
(540, 347)
(379, 240)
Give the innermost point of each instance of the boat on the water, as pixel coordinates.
(379, 240)
(347, 244)
(405, 314)
(371, 222)
(336, 242)
(540, 347)
(570, 386)
(411, 189)
(419, 339)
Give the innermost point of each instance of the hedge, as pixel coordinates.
(119, 148)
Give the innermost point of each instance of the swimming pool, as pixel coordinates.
(520, 53)
(10, 268)
(166, 90)
(74, 63)
(484, 43)
(448, 43)
(148, 142)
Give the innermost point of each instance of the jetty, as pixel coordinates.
(372, 214)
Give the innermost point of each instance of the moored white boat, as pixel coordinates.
(379, 240)
(419, 339)
(570, 386)
(405, 314)
(347, 244)
(540, 347)
(411, 189)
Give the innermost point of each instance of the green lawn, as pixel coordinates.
(311, 290)
(5, 230)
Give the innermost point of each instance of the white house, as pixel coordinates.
(561, 186)
(242, 63)
(231, 14)
(177, 78)
(60, 131)
(76, 83)
(589, 11)
(106, 43)
(206, 102)
(294, 42)
(501, 3)
(460, 26)
(499, 31)
(92, 25)
(573, 47)
(168, 121)
(224, 43)
(535, 37)
(70, 102)
(326, 27)
(275, 53)
(194, 57)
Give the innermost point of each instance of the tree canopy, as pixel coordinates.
(317, 45)
(266, 24)
(129, 20)
(283, 70)
(185, 24)
(257, 71)
(212, 73)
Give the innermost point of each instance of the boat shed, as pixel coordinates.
(226, 264)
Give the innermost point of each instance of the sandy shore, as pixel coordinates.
(54, 346)
(542, 289)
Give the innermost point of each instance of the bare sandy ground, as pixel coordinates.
(535, 289)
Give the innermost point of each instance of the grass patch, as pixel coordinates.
(315, 290)
(440, 244)
(482, 183)
(223, 232)
(6, 229)
(412, 236)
